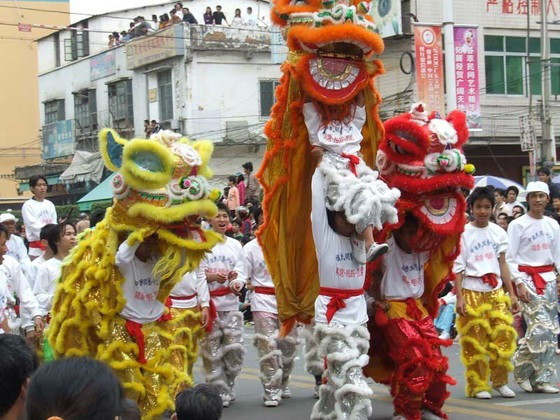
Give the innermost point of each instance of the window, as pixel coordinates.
(77, 45)
(54, 111)
(165, 95)
(267, 89)
(56, 39)
(120, 102)
(85, 110)
(506, 65)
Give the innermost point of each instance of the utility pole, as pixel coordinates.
(448, 25)
(548, 146)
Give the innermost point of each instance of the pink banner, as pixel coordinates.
(429, 67)
(466, 74)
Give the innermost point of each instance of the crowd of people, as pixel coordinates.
(180, 14)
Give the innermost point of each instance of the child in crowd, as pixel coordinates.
(201, 402)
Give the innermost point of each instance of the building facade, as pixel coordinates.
(504, 77)
(212, 82)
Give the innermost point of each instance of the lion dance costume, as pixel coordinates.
(422, 157)
(161, 188)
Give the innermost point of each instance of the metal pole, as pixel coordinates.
(548, 142)
(449, 55)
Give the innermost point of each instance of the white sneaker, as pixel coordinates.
(483, 395)
(358, 250)
(557, 351)
(271, 403)
(225, 403)
(444, 335)
(232, 395)
(526, 386)
(286, 393)
(375, 251)
(398, 417)
(428, 415)
(316, 393)
(505, 391)
(546, 389)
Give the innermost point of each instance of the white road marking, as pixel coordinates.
(529, 402)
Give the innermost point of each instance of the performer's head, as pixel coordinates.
(61, 239)
(17, 364)
(74, 388)
(538, 195)
(339, 223)
(482, 202)
(406, 232)
(147, 248)
(129, 410)
(220, 222)
(201, 402)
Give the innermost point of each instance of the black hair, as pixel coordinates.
(544, 170)
(146, 121)
(513, 188)
(248, 165)
(96, 217)
(221, 206)
(129, 410)
(503, 215)
(35, 178)
(17, 363)
(236, 222)
(201, 402)
(74, 388)
(240, 178)
(500, 191)
(251, 9)
(3, 230)
(232, 178)
(180, 4)
(482, 192)
(46, 229)
(54, 235)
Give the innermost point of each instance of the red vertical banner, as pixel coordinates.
(429, 66)
(466, 74)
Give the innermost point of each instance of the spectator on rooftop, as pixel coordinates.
(188, 17)
(178, 6)
(250, 19)
(237, 19)
(219, 16)
(165, 21)
(125, 37)
(111, 42)
(208, 16)
(174, 18)
(117, 38)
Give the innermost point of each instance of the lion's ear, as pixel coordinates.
(111, 147)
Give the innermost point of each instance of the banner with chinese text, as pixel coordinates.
(466, 74)
(429, 67)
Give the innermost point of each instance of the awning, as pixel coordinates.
(103, 192)
(85, 166)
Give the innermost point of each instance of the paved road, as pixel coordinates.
(248, 405)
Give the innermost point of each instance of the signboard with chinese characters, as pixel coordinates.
(387, 17)
(429, 66)
(466, 74)
(155, 47)
(522, 7)
(102, 65)
(527, 134)
(58, 139)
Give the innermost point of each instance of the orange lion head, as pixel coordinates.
(335, 43)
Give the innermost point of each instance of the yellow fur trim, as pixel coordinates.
(175, 213)
(204, 149)
(140, 178)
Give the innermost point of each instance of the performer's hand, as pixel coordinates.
(39, 324)
(205, 317)
(461, 306)
(221, 278)
(236, 287)
(515, 305)
(317, 154)
(523, 293)
(232, 275)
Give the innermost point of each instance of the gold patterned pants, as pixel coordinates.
(488, 339)
(150, 385)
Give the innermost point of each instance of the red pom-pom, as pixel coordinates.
(381, 318)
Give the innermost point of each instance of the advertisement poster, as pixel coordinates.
(387, 17)
(466, 74)
(429, 67)
(58, 139)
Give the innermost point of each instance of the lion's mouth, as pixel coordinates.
(336, 74)
(349, 48)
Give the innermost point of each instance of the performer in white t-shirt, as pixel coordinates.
(190, 309)
(36, 213)
(6, 300)
(418, 384)
(340, 313)
(222, 348)
(16, 247)
(533, 258)
(485, 322)
(276, 354)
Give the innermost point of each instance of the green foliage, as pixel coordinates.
(101, 205)
(64, 211)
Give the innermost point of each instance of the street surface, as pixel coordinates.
(248, 405)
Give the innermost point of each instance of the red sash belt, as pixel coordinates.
(37, 244)
(135, 331)
(490, 279)
(337, 298)
(222, 291)
(535, 273)
(412, 309)
(262, 290)
(354, 162)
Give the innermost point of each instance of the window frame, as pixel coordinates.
(54, 107)
(165, 96)
(85, 110)
(275, 83)
(120, 110)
